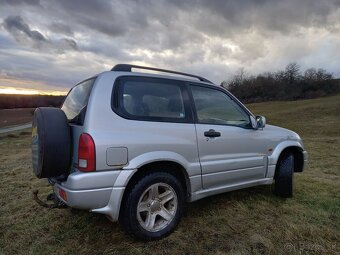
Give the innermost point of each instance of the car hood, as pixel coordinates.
(282, 133)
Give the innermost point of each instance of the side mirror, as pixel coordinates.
(261, 121)
(253, 122)
(258, 122)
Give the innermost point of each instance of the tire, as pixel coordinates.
(157, 199)
(284, 176)
(51, 142)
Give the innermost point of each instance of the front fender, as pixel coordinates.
(274, 157)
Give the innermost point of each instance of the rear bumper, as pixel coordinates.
(99, 192)
(84, 199)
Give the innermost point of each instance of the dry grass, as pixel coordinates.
(241, 222)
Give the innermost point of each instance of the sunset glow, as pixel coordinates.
(20, 91)
(19, 86)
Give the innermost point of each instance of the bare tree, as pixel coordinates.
(310, 74)
(239, 77)
(287, 84)
(292, 72)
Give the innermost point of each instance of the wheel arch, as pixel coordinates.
(171, 167)
(297, 155)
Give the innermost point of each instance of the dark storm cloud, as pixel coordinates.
(211, 38)
(275, 15)
(21, 31)
(16, 26)
(103, 26)
(18, 2)
(97, 15)
(159, 25)
(90, 8)
(218, 17)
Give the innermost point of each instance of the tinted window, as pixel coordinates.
(215, 107)
(151, 99)
(76, 100)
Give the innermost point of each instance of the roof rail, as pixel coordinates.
(127, 68)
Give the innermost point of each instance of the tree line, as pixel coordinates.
(29, 101)
(288, 84)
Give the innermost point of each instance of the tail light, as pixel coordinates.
(62, 194)
(86, 153)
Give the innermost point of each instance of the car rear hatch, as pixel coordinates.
(74, 107)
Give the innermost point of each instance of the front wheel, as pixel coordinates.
(284, 176)
(153, 206)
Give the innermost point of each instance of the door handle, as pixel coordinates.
(212, 133)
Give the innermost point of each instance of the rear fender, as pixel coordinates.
(192, 168)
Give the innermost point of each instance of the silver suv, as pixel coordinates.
(138, 146)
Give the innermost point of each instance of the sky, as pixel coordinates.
(48, 46)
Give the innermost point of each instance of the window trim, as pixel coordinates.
(116, 99)
(226, 92)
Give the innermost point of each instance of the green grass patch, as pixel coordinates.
(249, 221)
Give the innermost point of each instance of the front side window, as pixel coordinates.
(215, 107)
(151, 99)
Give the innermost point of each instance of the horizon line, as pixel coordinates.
(30, 92)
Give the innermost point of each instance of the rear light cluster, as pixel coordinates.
(86, 153)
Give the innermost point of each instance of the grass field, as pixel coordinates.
(250, 221)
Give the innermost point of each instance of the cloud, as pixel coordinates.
(19, 2)
(211, 38)
(97, 15)
(60, 28)
(21, 30)
(71, 43)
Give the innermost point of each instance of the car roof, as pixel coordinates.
(128, 68)
(172, 77)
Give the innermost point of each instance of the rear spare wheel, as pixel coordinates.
(51, 142)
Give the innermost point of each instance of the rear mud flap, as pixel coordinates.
(56, 202)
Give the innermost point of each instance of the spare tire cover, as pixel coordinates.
(51, 142)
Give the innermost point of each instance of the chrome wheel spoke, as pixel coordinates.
(166, 196)
(150, 221)
(154, 191)
(165, 214)
(143, 207)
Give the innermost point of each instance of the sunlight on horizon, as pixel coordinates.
(20, 91)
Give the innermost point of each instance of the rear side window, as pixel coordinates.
(151, 99)
(75, 103)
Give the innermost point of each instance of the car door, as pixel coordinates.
(231, 152)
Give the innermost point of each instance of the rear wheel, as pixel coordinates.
(153, 207)
(284, 175)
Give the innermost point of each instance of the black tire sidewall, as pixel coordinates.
(54, 142)
(284, 176)
(37, 143)
(129, 219)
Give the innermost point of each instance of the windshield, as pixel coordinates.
(77, 98)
